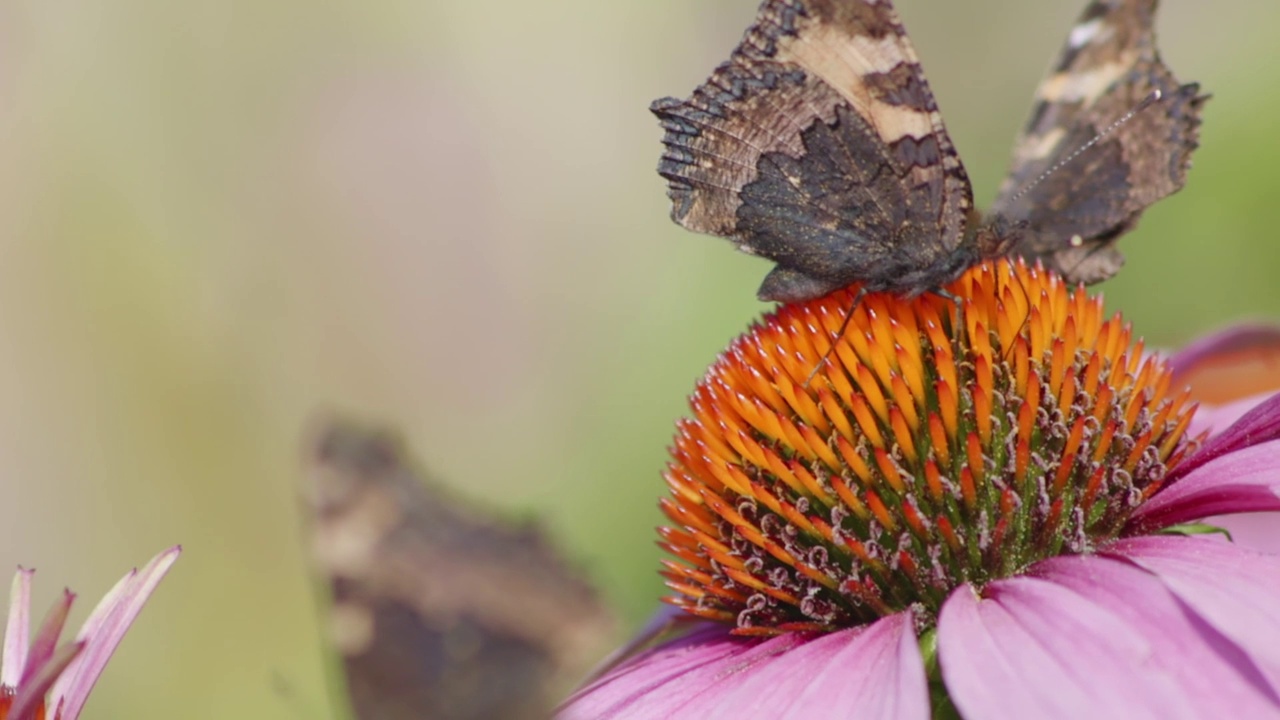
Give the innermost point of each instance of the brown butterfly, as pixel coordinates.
(819, 146)
(439, 610)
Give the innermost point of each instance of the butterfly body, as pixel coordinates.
(819, 146)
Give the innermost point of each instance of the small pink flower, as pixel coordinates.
(41, 679)
(995, 520)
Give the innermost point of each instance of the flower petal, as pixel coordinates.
(1234, 589)
(1220, 678)
(1034, 649)
(652, 681)
(1213, 419)
(1231, 364)
(667, 622)
(46, 639)
(1255, 531)
(1259, 425)
(18, 629)
(1246, 480)
(876, 669)
(104, 630)
(33, 688)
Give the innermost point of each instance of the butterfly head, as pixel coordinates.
(996, 236)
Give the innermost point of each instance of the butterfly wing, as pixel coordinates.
(439, 611)
(819, 146)
(1090, 195)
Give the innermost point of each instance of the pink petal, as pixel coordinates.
(17, 631)
(1234, 589)
(1259, 425)
(875, 670)
(1219, 677)
(1237, 363)
(1255, 531)
(104, 630)
(668, 621)
(46, 639)
(1213, 419)
(1247, 480)
(1034, 649)
(1222, 345)
(653, 679)
(34, 687)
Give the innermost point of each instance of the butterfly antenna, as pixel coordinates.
(1151, 99)
(844, 325)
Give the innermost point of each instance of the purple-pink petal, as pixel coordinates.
(104, 630)
(34, 688)
(876, 669)
(1247, 480)
(1258, 425)
(17, 629)
(1256, 531)
(1213, 419)
(655, 676)
(1224, 342)
(46, 639)
(1219, 677)
(1033, 649)
(1234, 589)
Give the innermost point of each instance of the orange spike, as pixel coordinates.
(905, 399)
(811, 484)
(804, 407)
(933, 480)
(855, 462)
(968, 492)
(819, 447)
(948, 534)
(889, 471)
(881, 512)
(1060, 477)
(902, 433)
(872, 393)
(973, 451)
(850, 500)
(1067, 392)
(938, 439)
(1057, 364)
(835, 414)
(947, 405)
(866, 420)
(914, 521)
(982, 407)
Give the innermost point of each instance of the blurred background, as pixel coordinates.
(217, 218)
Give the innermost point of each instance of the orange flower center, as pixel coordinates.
(938, 444)
(6, 704)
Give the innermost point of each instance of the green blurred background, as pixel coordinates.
(218, 217)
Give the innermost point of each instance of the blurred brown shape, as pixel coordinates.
(439, 610)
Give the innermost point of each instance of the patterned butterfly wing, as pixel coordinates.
(819, 146)
(1109, 68)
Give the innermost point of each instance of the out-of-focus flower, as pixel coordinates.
(987, 510)
(41, 679)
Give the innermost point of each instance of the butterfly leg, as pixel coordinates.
(844, 325)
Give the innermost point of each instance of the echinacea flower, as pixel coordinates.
(40, 679)
(986, 509)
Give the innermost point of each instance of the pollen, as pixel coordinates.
(941, 440)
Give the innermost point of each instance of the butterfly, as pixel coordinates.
(819, 146)
(439, 610)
